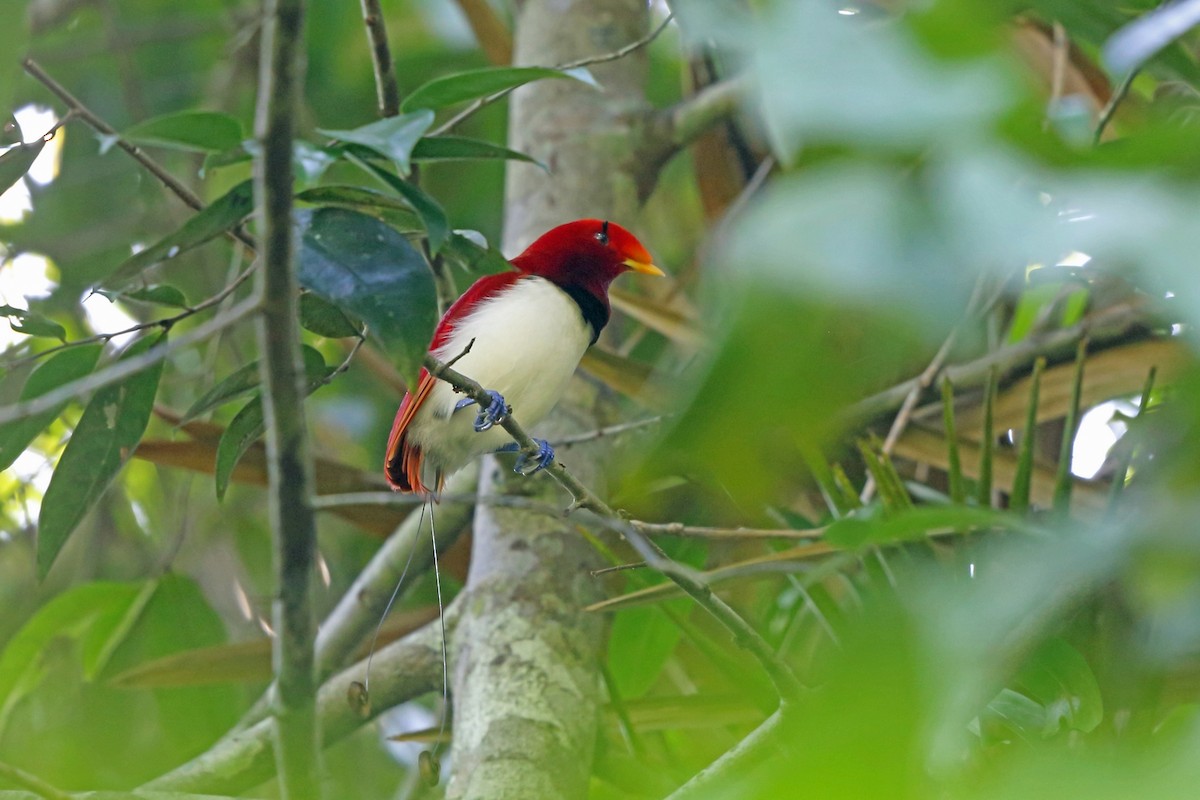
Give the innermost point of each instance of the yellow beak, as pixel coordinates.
(644, 267)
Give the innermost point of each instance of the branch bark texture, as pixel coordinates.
(293, 520)
(526, 683)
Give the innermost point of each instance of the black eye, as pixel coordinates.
(602, 236)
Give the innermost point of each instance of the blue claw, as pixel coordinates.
(529, 464)
(494, 414)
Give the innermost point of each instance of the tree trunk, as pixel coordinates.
(526, 657)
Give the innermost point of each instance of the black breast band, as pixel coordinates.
(595, 313)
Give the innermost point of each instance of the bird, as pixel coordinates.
(520, 334)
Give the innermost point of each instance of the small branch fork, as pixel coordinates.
(687, 579)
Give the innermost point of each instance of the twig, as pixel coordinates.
(923, 382)
(1110, 108)
(729, 769)
(127, 367)
(167, 179)
(611, 430)
(786, 683)
(705, 532)
(1104, 326)
(166, 323)
(621, 52)
(289, 462)
(386, 91)
(32, 782)
(596, 573)
(690, 118)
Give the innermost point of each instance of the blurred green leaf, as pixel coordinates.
(367, 268)
(31, 323)
(202, 131)
(391, 137)
(222, 215)
(1141, 39)
(162, 294)
(90, 614)
(248, 424)
(639, 644)
(1059, 678)
(451, 89)
(17, 160)
(1017, 713)
(58, 369)
(324, 318)
(111, 427)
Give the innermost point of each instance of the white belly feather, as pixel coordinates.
(528, 342)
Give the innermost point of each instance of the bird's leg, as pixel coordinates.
(527, 463)
(493, 414)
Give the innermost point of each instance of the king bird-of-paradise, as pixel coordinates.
(530, 328)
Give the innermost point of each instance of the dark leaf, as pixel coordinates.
(445, 148)
(248, 424)
(162, 294)
(437, 225)
(391, 137)
(223, 214)
(16, 161)
(203, 131)
(396, 212)
(111, 426)
(367, 268)
(237, 384)
(324, 318)
(57, 370)
(451, 89)
(1059, 678)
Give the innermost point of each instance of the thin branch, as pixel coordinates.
(166, 323)
(1105, 326)
(786, 683)
(96, 123)
(490, 31)
(289, 463)
(125, 368)
(691, 118)
(406, 668)
(706, 532)
(387, 92)
(725, 773)
(609, 431)
(621, 52)
(33, 783)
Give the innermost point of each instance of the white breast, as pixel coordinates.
(528, 341)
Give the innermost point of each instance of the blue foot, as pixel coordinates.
(494, 414)
(529, 464)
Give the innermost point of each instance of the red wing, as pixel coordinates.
(402, 464)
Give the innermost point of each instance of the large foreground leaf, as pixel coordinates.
(109, 430)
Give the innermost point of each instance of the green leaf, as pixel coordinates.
(916, 523)
(111, 427)
(448, 148)
(161, 294)
(245, 379)
(958, 491)
(365, 267)
(641, 641)
(396, 212)
(451, 89)
(437, 225)
(391, 137)
(202, 131)
(248, 424)
(16, 161)
(1019, 498)
(1017, 713)
(473, 257)
(1059, 677)
(324, 318)
(223, 214)
(57, 370)
(31, 323)
(89, 614)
